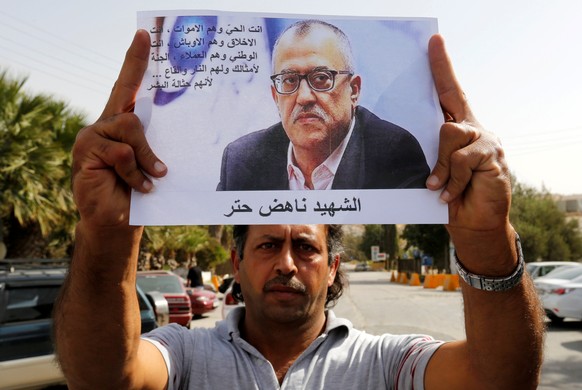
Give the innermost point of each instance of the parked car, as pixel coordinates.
(542, 268)
(225, 284)
(362, 266)
(202, 300)
(555, 278)
(548, 286)
(229, 302)
(564, 301)
(171, 286)
(28, 289)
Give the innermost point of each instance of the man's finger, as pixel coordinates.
(122, 97)
(449, 90)
(127, 129)
(453, 137)
(119, 142)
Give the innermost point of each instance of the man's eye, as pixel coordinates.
(267, 245)
(290, 79)
(320, 77)
(306, 248)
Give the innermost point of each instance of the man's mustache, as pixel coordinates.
(285, 281)
(309, 109)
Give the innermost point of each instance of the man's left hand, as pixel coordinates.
(471, 168)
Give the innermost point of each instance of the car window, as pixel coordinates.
(544, 270)
(161, 283)
(568, 273)
(30, 303)
(530, 268)
(142, 300)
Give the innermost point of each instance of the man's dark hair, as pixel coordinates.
(334, 247)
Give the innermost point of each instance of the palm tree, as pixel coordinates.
(36, 207)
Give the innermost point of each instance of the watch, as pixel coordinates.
(490, 283)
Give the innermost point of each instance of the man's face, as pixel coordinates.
(315, 121)
(284, 274)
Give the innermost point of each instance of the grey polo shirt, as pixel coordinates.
(340, 358)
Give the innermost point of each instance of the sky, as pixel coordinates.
(519, 63)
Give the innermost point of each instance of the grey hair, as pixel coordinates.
(302, 28)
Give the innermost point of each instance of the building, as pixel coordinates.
(571, 205)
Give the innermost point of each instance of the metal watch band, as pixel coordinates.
(489, 283)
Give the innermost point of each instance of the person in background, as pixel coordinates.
(194, 277)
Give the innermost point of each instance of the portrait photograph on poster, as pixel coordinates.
(264, 118)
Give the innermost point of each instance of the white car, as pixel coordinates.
(229, 302)
(548, 286)
(542, 268)
(556, 278)
(564, 301)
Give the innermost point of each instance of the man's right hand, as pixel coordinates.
(112, 156)
(97, 318)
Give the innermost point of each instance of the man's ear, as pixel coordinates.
(333, 267)
(356, 88)
(235, 261)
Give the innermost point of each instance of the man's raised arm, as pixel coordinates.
(97, 321)
(505, 329)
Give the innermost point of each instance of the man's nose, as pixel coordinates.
(285, 264)
(305, 95)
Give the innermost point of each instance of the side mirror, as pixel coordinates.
(161, 308)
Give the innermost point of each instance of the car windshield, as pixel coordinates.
(568, 274)
(161, 283)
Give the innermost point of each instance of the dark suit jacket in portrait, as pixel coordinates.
(379, 155)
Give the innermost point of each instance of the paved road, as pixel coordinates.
(377, 306)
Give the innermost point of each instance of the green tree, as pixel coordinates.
(373, 235)
(352, 247)
(36, 207)
(391, 239)
(385, 236)
(433, 240)
(210, 254)
(183, 244)
(544, 230)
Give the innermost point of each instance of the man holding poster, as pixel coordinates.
(324, 140)
(282, 337)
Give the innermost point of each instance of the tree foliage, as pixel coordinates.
(36, 135)
(432, 240)
(183, 244)
(545, 232)
(352, 244)
(373, 235)
(37, 213)
(385, 236)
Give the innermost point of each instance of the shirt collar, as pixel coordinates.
(323, 174)
(229, 327)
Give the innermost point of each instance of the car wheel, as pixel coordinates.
(555, 319)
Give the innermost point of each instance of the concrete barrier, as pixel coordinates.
(403, 278)
(393, 277)
(451, 283)
(429, 281)
(414, 279)
(434, 280)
